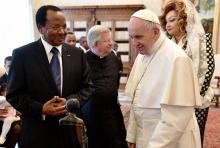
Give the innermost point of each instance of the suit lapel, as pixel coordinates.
(65, 63)
(41, 57)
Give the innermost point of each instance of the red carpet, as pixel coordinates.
(212, 131)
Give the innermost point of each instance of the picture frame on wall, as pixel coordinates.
(206, 10)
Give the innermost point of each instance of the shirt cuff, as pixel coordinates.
(43, 117)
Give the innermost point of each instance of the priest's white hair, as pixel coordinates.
(94, 34)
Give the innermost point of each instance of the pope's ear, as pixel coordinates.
(156, 31)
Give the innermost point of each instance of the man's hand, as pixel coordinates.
(131, 145)
(55, 107)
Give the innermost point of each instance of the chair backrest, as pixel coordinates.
(217, 65)
(215, 83)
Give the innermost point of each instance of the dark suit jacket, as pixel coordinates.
(3, 78)
(30, 85)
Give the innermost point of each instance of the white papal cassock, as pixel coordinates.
(164, 89)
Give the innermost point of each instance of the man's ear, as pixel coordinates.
(40, 28)
(95, 44)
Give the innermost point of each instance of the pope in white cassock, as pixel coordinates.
(163, 87)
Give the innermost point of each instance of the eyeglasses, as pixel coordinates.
(106, 41)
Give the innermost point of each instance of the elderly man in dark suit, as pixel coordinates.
(43, 75)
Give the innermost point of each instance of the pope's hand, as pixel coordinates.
(131, 145)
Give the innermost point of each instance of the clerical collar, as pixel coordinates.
(157, 44)
(100, 57)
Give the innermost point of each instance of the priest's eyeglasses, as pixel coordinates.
(106, 41)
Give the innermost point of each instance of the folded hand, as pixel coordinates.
(54, 107)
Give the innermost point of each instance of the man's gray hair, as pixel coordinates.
(94, 34)
(151, 25)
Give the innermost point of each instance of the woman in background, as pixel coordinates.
(181, 22)
(7, 114)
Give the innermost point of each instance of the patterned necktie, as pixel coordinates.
(55, 67)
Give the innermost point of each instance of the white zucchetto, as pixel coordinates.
(147, 15)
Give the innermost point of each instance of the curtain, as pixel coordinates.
(16, 27)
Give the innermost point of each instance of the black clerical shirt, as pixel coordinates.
(105, 74)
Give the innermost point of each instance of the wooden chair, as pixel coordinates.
(216, 80)
(217, 91)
